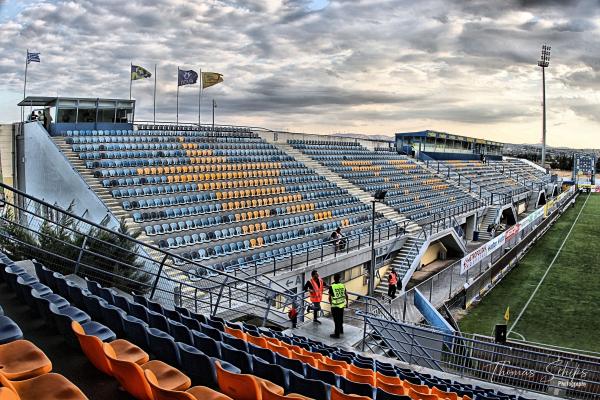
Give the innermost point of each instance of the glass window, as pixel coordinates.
(66, 115)
(87, 115)
(106, 115)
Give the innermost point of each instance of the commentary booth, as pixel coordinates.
(72, 113)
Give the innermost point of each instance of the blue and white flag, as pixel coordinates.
(33, 57)
(188, 77)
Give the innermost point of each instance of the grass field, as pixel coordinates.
(565, 310)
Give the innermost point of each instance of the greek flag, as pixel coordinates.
(33, 57)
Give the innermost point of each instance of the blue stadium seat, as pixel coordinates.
(307, 387)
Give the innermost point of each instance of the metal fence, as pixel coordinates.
(33, 229)
(521, 366)
(447, 283)
(532, 366)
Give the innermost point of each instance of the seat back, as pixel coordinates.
(413, 394)
(7, 394)
(165, 394)
(92, 348)
(385, 395)
(337, 394)
(237, 386)
(129, 374)
(197, 365)
(268, 394)
(307, 387)
(6, 384)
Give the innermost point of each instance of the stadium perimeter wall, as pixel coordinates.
(48, 175)
(6, 153)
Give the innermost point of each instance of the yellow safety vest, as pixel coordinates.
(338, 295)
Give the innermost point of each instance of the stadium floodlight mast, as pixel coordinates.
(377, 197)
(543, 64)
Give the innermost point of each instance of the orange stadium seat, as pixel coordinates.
(337, 394)
(43, 387)
(193, 393)
(21, 359)
(131, 375)
(92, 348)
(243, 386)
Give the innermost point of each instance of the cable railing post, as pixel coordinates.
(155, 284)
(85, 238)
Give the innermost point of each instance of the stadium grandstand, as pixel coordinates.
(161, 261)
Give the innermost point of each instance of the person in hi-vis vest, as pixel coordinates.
(338, 298)
(392, 283)
(315, 287)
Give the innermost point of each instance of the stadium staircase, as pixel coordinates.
(364, 197)
(491, 217)
(113, 205)
(411, 249)
(402, 262)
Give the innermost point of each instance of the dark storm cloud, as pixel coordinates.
(352, 62)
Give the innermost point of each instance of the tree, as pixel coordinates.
(108, 257)
(113, 259)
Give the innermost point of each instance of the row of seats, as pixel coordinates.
(264, 352)
(408, 185)
(234, 356)
(226, 132)
(25, 371)
(522, 169)
(485, 176)
(119, 164)
(181, 202)
(94, 155)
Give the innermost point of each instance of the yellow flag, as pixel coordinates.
(507, 314)
(210, 79)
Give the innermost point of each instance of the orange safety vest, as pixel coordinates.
(316, 294)
(393, 278)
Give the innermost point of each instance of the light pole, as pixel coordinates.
(214, 105)
(378, 196)
(543, 63)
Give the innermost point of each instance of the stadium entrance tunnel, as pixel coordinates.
(445, 246)
(541, 199)
(509, 215)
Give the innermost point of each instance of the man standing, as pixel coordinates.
(315, 288)
(392, 283)
(338, 298)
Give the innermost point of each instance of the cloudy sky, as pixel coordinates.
(363, 66)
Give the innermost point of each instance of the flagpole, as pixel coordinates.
(199, 97)
(130, 79)
(24, 86)
(154, 94)
(177, 97)
(213, 124)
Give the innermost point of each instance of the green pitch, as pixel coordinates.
(564, 311)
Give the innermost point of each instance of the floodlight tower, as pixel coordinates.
(543, 63)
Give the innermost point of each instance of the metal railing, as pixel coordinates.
(33, 229)
(518, 365)
(293, 259)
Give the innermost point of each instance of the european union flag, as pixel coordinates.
(188, 77)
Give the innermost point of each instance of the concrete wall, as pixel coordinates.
(48, 175)
(6, 153)
(431, 254)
